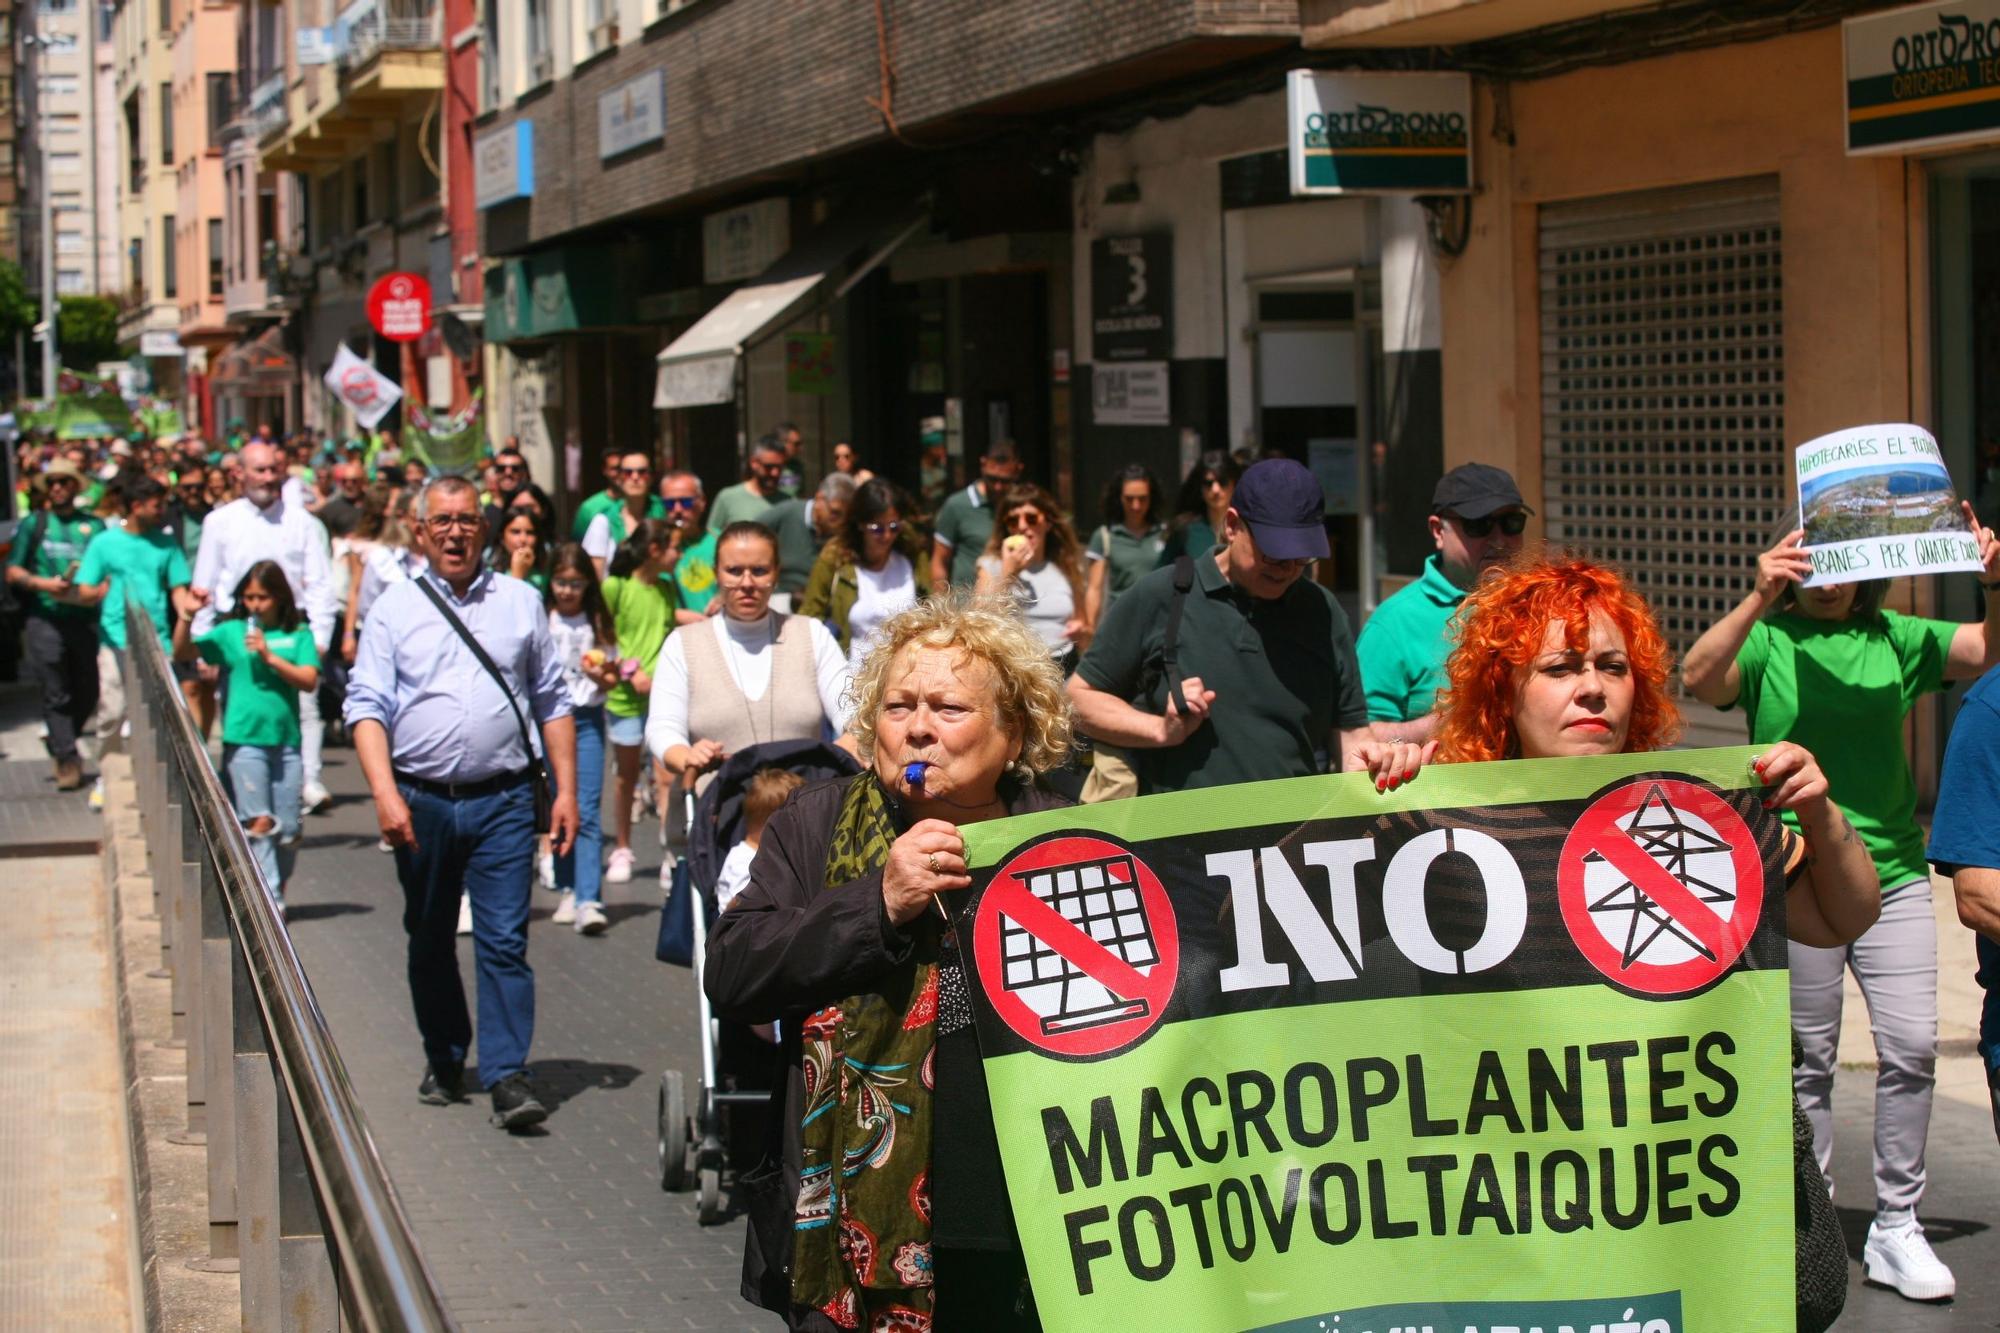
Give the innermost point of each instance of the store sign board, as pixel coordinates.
(503, 164)
(399, 306)
(1130, 393)
(698, 382)
(632, 115)
(1371, 133)
(160, 342)
(1923, 76)
(1132, 297)
(743, 242)
(318, 46)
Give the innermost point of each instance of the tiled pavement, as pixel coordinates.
(565, 1230)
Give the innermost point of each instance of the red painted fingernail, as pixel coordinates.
(1407, 776)
(1770, 805)
(1381, 784)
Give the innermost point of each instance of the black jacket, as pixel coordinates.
(788, 947)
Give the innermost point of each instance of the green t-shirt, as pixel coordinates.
(1131, 558)
(1195, 537)
(145, 564)
(1404, 645)
(1841, 689)
(1283, 672)
(694, 575)
(258, 708)
(642, 615)
(798, 544)
(61, 543)
(739, 504)
(604, 501)
(965, 524)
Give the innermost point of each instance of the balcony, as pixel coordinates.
(266, 112)
(1336, 23)
(387, 62)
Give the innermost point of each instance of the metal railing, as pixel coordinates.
(376, 32)
(267, 113)
(297, 1194)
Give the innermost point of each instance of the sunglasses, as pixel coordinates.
(512, 467)
(1513, 524)
(633, 471)
(1213, 483)
(882, 529)
(679, 502)
(1027, 518)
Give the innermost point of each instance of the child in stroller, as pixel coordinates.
(739, 1066)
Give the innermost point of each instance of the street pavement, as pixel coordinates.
(570, 1230)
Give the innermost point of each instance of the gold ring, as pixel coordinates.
(934, 865)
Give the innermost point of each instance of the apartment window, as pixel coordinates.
(391, 180)
(600, 25)
(60, 85)
(69, 281)
(357, 172)
(107, 23)
(541, 63)
(170, 285)
(58, 6)
(489, 55)
(134, 154)
(6, 157)
(215, 256)
(166, 15)
(135, 263)
(221, 94)
(65, 164)
(65, 201)
(239, 208)
(265, 237)
(166, 124)
(69, 242)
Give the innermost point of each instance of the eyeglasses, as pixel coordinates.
(512, 467)
(679, 502)
(1026, 518)
(767, 467)
(446, 522)
(1513, 524)
(882, 529)
(574, 585)
(736, 576)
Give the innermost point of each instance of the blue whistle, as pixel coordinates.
(914, 774)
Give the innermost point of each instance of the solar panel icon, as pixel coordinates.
(1100, 897)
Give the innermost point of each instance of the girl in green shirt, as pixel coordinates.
(266, 650)
(1828, 668)
(642, 614)
(1129, 544)
(1204, 499)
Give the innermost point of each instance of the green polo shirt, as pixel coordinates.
(798, 543)
(146, 564)
(965, 524)
(60, 544)
(1405, 643)
(608, 500)
(1283, 672)
(740, 504)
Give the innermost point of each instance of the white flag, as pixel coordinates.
(362, 387)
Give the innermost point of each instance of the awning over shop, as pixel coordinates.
(256, 368)
(563, 290)
(699, 367)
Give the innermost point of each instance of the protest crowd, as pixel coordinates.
(527, 691)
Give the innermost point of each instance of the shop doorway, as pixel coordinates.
(1317, 363)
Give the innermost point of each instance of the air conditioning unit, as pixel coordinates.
(541, 69)
(604, 36)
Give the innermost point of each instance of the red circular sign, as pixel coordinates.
(1661, 886)
(399, 306)
(1077, 947)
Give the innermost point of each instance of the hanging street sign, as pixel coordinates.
(1371, 133)
(1923, 76)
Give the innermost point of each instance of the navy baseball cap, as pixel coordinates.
(1281, 502)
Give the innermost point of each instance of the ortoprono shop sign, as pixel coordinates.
(1379, 133)
(1132, 297)
(1923, 76)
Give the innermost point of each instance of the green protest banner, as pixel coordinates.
(1505, 1048)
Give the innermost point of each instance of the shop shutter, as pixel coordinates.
(1663, 390)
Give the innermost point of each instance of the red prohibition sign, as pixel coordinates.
(1077, 947)
(1661, 886)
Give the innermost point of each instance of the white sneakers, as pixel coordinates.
(565, 912)
(618, 870)
(1897, 1256)
(590, 919)
(313, 797)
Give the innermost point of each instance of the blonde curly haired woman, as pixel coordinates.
(843, 937)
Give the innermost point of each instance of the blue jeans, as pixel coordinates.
(581, 868)
(483, 846)
(264, 782)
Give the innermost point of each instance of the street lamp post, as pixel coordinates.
(50, 302)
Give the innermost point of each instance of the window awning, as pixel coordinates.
(699, 367)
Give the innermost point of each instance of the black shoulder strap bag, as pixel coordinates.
(538, 772)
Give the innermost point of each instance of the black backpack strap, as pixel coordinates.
(485, 660)
(1170, 638)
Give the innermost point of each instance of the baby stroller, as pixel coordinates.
(738, 1069)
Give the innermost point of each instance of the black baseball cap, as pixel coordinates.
(1281, 502)
(1474, 490)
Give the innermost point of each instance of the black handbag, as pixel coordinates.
(538, 772)
(1820, 1251)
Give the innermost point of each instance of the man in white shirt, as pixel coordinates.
(263, 526)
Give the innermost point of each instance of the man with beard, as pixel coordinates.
(511, 479)
(261, 525)
(1477, 518)
(443, 738)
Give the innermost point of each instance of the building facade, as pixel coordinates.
(63, 81)
(1646, 319)
(148, 196)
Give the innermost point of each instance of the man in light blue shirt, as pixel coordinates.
(447, 763)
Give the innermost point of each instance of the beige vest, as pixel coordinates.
(718, 710)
